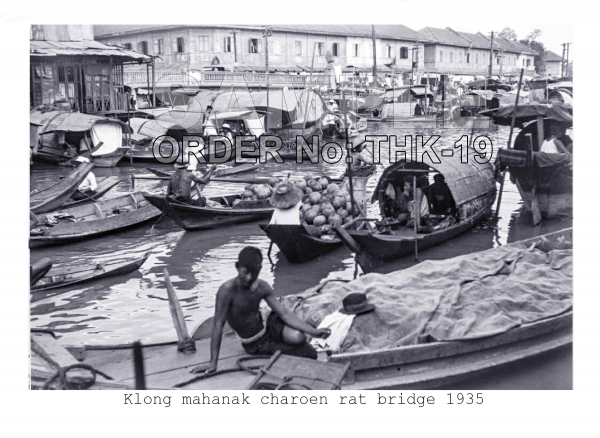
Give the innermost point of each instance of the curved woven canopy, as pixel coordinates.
(530, 111)
(466, 180)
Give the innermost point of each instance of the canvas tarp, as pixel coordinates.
(530, 111)
(109, 134)
(466, 297)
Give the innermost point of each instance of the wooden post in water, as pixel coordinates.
(312, 67)
(186, 344)
(510, 134)
(417, 217)
(138, 366)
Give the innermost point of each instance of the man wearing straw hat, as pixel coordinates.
(239, 303)
(180, 183)
(287, 200)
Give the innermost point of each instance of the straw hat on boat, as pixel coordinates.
(355, 304)
(285, 196)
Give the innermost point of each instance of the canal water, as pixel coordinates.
(135, 307)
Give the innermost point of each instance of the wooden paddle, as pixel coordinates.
(185, 344)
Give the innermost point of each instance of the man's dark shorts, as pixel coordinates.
(272, 341)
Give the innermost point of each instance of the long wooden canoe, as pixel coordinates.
(104, 186)
(190, 217)
(61, 276)
(422, 366)
(94, 219)
(52, 197)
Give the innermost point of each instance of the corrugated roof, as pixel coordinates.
(90, 48)
(551, 56)
(444, 36)
(391, 31)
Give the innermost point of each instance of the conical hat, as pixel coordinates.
(286, 195)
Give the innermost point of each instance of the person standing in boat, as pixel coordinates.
(261, 332)
(286, 201)
(88, 185)
(226, 132)
(180, 183)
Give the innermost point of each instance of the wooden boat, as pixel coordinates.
(233, 170)
(94, 219)
(300, 243)
(57, 136)
(545, 181)
(472, 186)
(52, 197)
(104, 186)
(190, 217)
(63, 276)
(422, 366)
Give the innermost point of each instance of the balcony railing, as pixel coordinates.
(139, 79)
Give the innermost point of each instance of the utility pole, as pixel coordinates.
(562, 61)
(567, 60)
(266, 34)
(235, 58)
(374, 54)
(492, 55)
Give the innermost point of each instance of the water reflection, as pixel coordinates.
(135, 306)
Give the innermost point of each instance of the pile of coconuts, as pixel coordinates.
(324, 204)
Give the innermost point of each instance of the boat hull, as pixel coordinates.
(76, 276)
(297, 244)
(53, 197)
(192, 218)
(70, 232)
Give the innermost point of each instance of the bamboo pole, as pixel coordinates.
(138, 366)
(185, 344)
(312, 68)
(510, 134)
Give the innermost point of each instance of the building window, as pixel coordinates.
(227, 45)
(468, 58)
(441, 56)
(298, 47)
(497, 61)
(451, 57)
(529, 63)
(253, 45)
(180, 45)
(127, 46)
(335, 49)
(202, 43)
(403, 52)
(460, 57)
(142, 46)
(321, 49)
(477, 58)
(389, 51)
(357, 50)
(159, 47)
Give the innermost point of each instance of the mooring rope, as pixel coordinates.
(60, 378)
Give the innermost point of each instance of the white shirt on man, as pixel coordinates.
(289, 216)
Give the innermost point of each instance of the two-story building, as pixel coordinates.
(461, 53)
(291, 48)
(553, 64)
(67, 64)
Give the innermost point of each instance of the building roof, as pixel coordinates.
(86, 47)
(396, 31)
(444, 36)
(478, 40)
(552, 57)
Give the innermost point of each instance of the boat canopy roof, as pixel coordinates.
(466, 178)
(531, 111)
(150, 128)
(70, 122)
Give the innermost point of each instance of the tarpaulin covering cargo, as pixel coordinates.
(466, 297)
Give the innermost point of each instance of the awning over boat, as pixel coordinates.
(531, 111)
(71, 122)
(465, 177)
(150, 129)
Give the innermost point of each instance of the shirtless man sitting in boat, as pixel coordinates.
(238, 303)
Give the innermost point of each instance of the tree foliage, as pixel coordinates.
(508, 33)
(532, 42)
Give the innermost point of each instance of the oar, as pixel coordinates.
(186, 344)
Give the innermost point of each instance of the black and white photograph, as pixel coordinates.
(262, 202)
(300, 207)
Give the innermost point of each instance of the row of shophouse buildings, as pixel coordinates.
(302, 48)
(93, 67)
